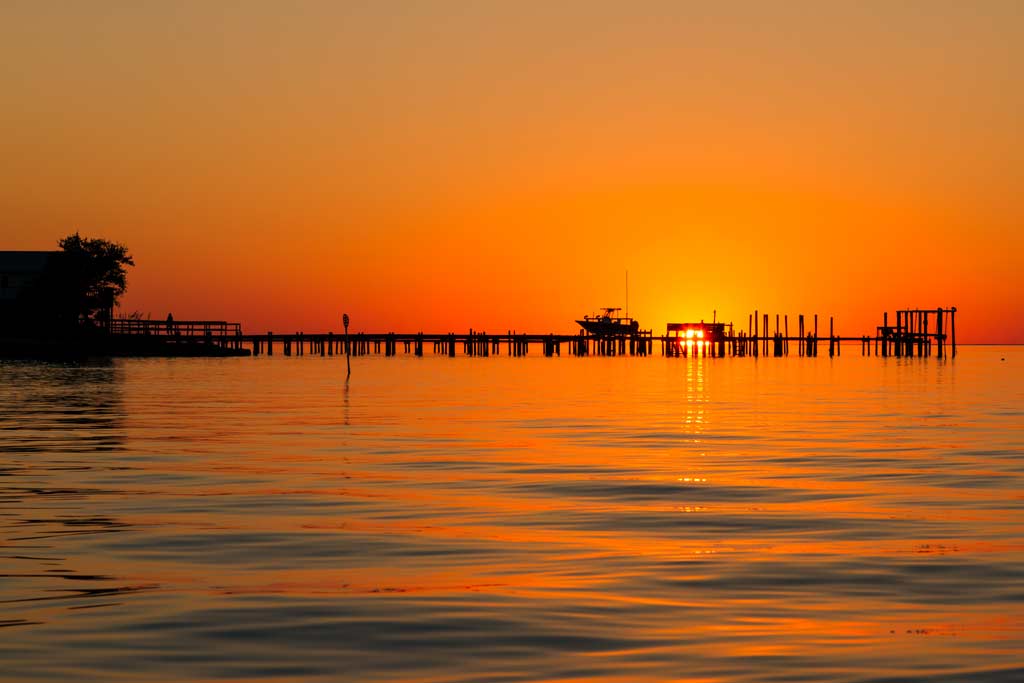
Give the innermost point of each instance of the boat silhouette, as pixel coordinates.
(609, 323)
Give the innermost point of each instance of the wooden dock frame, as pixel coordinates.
(915, 333)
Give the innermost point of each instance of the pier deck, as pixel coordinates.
(917, 332)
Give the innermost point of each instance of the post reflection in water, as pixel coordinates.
(512, 519)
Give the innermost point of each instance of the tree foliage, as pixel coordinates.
(94, 274)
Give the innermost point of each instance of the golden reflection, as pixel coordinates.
(694, 417)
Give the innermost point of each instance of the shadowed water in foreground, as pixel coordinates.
(495, 519)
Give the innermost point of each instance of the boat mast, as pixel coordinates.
(627, 292)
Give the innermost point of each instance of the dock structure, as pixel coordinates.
(176, 337)
(918, 332)
(471, 343)
(915, 330)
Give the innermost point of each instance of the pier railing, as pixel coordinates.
(192, 330)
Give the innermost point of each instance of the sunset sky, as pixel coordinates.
(443, 165)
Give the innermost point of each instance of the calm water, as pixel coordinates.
(494, 519)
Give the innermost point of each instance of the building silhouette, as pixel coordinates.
(19, 271)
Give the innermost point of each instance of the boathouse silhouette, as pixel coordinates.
(19, 271)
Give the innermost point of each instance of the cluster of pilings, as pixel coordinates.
(757, 340)
(639, 343)
(915, 331)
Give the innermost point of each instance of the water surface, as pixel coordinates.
(496, 519)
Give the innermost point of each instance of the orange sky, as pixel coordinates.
(446, 165)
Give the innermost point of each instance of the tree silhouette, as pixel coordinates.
(92, 275)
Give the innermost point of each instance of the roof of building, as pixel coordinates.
(24, 261)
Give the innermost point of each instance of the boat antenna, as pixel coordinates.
(627, 292)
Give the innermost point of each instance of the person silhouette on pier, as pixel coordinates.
(170, 324)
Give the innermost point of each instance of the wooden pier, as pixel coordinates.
(129, 336)
(917, 332)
